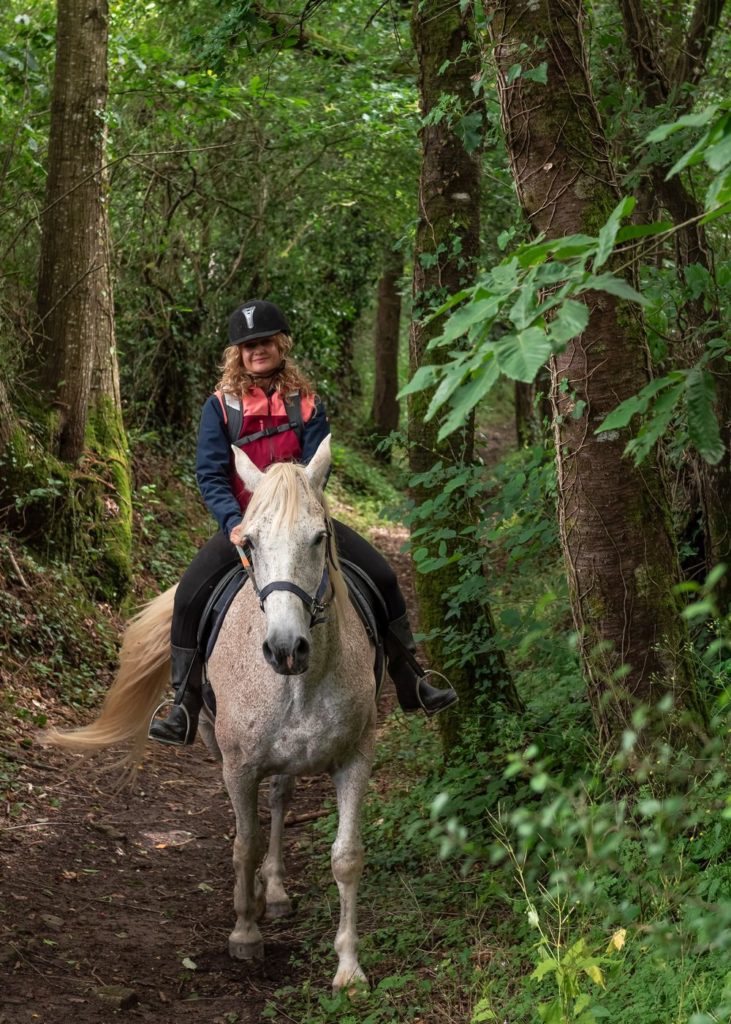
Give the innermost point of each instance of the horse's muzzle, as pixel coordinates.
(287, 659)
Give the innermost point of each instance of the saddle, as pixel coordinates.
(363, 594)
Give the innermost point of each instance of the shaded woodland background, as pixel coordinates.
(515, 213)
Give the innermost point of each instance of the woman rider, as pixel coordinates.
(257, 385)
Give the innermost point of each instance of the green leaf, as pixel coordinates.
(523, 311)
(615, 286)
(522, 355)
(544, 967)
(571, 319)
(719, 156)
(608, 233)
(538, 74)
(425, 377)
(621, 416)
(572, 245)
(481, 311)
(700, 394)
(631, 231)
(465, 399)
(698, 120)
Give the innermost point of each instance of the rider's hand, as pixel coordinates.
(237, 535)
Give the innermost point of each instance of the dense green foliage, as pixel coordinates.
(275, 152)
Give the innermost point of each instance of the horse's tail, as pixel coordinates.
(142, 676)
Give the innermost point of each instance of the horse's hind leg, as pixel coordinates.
(278, 903)
(351, 782)
(245, 941)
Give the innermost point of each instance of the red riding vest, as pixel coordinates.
(262, 412)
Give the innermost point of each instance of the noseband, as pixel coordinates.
(314, 604)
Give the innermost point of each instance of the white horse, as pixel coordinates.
(294, 693)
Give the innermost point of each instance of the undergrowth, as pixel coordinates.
(527, 880)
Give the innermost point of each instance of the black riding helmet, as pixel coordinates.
(256, 319)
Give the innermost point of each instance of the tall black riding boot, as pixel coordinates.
(179, 728)
(412, 689)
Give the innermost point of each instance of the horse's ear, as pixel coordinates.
(319, 465)
(249, 473)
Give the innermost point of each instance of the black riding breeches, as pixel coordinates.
(218, 556)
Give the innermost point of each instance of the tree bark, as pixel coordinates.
(447, 244)
(614, 519)
(76, 338)
(660, 80)
(385, 408)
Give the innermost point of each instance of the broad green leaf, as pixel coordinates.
(573, 245)
(424, 378)
(698, 120)
(689, 159)
(700, 394)
(608, 233)
(571, 319)
(504, 277)
(538, 74)
(465, 399)
(595, 973)
(719, 156)
(464, 318)
(655, 425)
(615, 286)
(544, 967)
(522, 355)
(523, 311)
(631, 231)
(454, 374)
(621, 416)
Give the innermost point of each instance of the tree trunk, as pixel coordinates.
(614, 519)
(76, 336)
(385, 408)
(447, 242)
(659, 80)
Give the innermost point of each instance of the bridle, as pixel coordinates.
(314, 604)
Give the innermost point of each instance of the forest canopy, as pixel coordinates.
(484, 220)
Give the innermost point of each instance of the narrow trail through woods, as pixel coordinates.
(110, 893)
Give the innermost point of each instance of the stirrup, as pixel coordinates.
(158, 739)
(433, 672)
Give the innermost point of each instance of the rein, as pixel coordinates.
(314, 604)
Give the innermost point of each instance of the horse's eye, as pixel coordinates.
(319, 539)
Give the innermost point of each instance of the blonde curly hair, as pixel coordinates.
(236, 381)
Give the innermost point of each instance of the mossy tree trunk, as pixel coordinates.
(664, 83)
(447, 241)
(385, 407)
(75, 337)
(614, 518)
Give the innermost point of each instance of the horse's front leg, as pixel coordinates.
(278, 904)
(351, 782)
(245, 941)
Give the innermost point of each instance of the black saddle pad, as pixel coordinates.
(364, 596)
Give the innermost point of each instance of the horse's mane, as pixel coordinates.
(282, 494)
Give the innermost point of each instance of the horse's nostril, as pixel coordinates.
(302, 648)
(267, 651)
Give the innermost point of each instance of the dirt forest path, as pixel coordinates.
(106, 896)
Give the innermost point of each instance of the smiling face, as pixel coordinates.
(261, 356)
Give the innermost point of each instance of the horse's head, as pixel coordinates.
(286, 530)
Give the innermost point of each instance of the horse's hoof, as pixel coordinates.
(279, 908)
(353, 982)
(245, 950)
